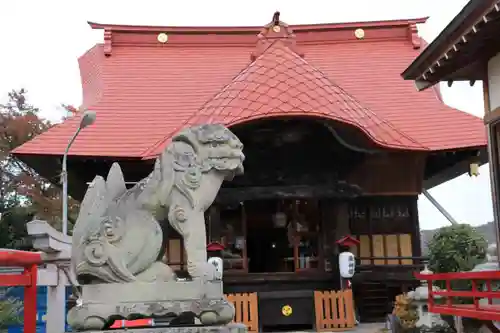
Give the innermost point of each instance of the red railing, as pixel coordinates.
(29, 261)
(484, 310)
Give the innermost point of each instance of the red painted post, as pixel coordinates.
(449, 300)
(475, 299)
(28, 279)
(30, 300)
(488, 288)
(430, 289)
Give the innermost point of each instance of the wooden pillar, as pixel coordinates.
(491, 94)
(215, 226)
(342, 227)
(416, 238)
(328, 225)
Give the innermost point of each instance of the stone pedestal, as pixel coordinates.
(231, 328)
(103, 303)
(118, 238)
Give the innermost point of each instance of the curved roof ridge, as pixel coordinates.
(258, 91)
(352, 98)
(256, 28)
(389, 123)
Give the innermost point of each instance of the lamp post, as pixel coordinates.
(88, 119)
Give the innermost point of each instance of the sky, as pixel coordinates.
(40, 42)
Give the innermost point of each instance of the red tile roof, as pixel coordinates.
(143, 91)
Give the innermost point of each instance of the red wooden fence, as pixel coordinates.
(481, 289)
(29, 261)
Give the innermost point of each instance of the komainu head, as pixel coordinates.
(215, 147)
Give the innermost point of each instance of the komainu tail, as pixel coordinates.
(115, 183)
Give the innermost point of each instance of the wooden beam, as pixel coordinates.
(492, 117)
(240, 194)
(455, 170)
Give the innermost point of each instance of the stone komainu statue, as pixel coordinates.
(117, 239)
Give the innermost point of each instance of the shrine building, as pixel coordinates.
(337, 144)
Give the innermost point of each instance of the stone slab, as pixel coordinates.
(231, 328)
(154, 291)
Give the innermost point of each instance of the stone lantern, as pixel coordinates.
(420, 296)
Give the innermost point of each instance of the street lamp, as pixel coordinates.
(88, 119)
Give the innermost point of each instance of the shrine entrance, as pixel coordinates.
(282, 235)
(270, 218)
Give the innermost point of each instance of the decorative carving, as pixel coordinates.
(392, 211)
(117, 238)
(273, 31)
(107, 42)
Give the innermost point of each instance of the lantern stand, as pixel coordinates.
(215, 255)
(346, 258)
(347, 265)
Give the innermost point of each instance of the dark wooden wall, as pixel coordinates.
(390, 174)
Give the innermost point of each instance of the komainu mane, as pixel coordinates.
(118, 238)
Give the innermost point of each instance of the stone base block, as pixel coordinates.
(101, 305)
(230, 328)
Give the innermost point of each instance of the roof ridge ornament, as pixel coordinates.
(272, 32)
(107, 42)
(413, 35)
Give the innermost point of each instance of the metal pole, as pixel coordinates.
(64, 180)
(439, 207)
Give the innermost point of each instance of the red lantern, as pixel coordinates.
(215, 246)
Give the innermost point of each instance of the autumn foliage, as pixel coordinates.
(22, 190)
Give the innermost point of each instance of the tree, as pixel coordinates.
(456, 248)
(21, 187)
(13, 233)
(10, 310)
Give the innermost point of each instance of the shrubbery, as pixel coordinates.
(456, 248)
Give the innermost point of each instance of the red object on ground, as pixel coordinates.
(27, 279)
(133, 323)
(144, 91)
(348, 241)
(487, 311)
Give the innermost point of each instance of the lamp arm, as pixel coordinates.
(70, 143)
(64, 180)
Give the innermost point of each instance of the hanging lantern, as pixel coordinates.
(279, 220)
(474, 169)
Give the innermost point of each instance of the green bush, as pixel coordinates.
(457, 248)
